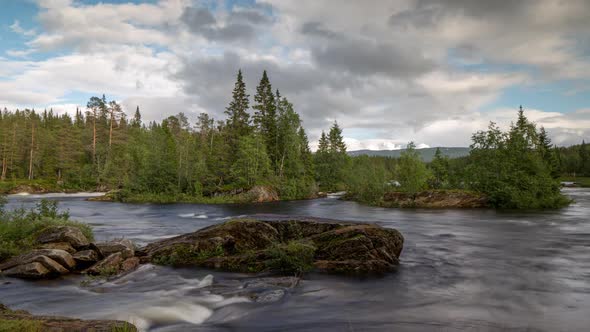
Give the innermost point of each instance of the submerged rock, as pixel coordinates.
(58, 324)
(283, 246)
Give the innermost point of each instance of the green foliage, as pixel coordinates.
(293, 257)
(510, 169)
(331, 160)
(412, 173)
(185, 255)
(440, 170)
(100, 149)
(18, 228)
(369, 178)
(252, 164)
(20, 325)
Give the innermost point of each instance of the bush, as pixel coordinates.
(19, 228)
(293, 257)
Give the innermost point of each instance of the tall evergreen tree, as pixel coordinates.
(238, 121)
(265, 117)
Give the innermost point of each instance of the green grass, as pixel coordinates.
(184, 255)
(20, 325)
(583, 181)
(19, 228)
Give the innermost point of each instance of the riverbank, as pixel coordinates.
(23, 321)
(11, 187)
(450, 199)
(576, 181)
(257, 194)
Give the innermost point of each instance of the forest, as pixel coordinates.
(264, 144)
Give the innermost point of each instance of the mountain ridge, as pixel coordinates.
(427, 154)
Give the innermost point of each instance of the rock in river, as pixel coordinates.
(68, 234)
(41, 263)
(283, 246)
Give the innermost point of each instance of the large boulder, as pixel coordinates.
(40, 263)
(109, 266)
(123, 246)
(59, 324)
(33, 270)
(85, 258)
(68, 234)
(287, 246)
(262, 194)
(58, 245)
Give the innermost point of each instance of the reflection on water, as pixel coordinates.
(479, 270)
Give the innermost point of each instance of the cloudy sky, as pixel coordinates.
(430, 71)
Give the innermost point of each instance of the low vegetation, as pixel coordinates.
(19, 227)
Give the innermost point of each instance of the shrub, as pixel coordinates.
(19, 228)
(293, 257)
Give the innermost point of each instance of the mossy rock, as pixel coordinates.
(282, 246)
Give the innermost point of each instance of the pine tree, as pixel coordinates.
(440, 170)
(238, 121)
(337, 144)
(265, 117)
(136, 122)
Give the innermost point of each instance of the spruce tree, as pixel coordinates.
(265, 117)
(238, 121)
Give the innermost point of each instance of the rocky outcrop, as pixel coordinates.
(24, 319)
(261, 194)
(61, 234)
(123, 246)
(63, 250)
(42, 263)
(435, 199)
(283, 246)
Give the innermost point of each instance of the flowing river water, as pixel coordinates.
(475, 270)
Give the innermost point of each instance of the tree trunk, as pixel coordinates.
(111, 129)
(32, 148)
(94, 136)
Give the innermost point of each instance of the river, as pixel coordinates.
(476, 270)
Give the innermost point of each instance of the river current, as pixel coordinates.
(474, 270)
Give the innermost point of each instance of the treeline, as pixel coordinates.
(100, 148)
(574, 160)
(265, 144)
(518, 168)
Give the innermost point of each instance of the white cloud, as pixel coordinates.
(16, 28)
(389, 71)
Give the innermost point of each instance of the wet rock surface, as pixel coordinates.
(283, 246)
(71, 252)
(61, 234)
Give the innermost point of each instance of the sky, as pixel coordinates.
(389, 72)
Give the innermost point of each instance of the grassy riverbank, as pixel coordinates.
(18, 228)
(582, 181)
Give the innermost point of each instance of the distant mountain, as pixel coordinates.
(427, 153)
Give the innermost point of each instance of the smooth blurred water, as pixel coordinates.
(476, 270)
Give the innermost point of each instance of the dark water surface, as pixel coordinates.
(475, 270)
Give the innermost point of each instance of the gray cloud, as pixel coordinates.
(239, 25)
